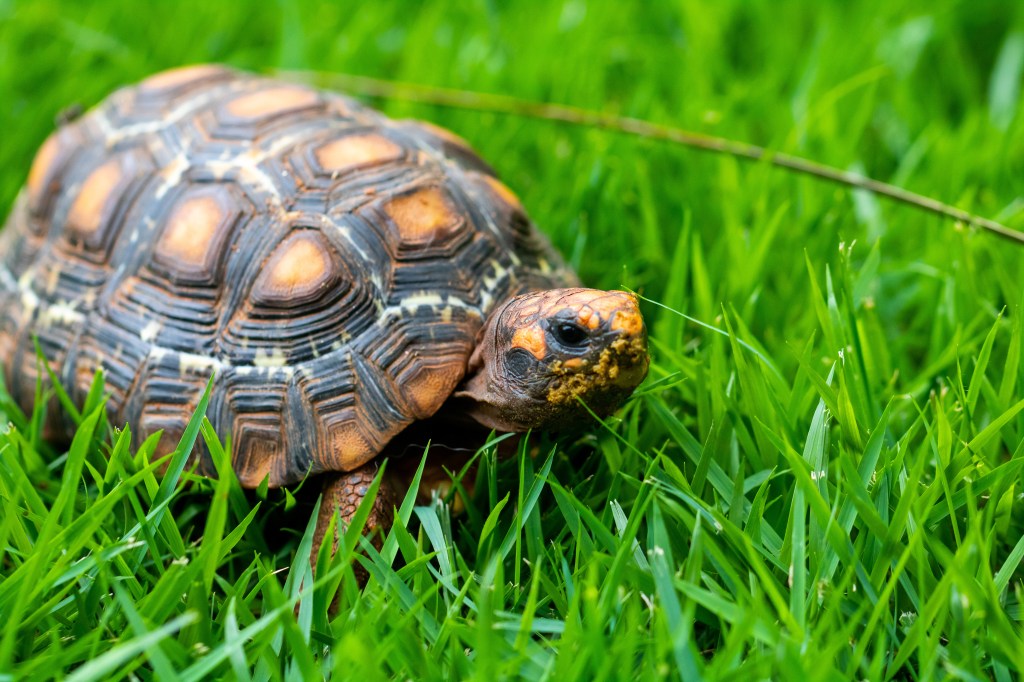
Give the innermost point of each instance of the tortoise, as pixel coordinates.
(339, 275)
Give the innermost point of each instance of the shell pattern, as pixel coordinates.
(329, 266)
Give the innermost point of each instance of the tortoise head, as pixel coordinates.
(540, 354)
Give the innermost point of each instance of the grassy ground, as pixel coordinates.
(827, 486)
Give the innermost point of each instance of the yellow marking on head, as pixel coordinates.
(607, 303)
(191, 230)
(574, 363)
(179, 76)
(423, 216)
(531, 339)
(356, 150)
(595, 307)
(41, 166)
(502, 190)
(628, 321)
(588, 317)
(86, 214)
(273, 101)
(622, 365)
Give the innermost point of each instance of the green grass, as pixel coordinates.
(828, 487)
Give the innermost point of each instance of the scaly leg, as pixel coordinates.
(436, 478)
(343, 492)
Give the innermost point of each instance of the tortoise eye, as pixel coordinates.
(568, 334)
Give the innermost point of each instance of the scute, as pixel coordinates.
(191, 241)
(300, 271)
(329, 267)
(42, 168)
(424, 217)
(269, 102)
(343, 154)
(177, 78)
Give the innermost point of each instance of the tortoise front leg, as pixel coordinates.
(342, 493)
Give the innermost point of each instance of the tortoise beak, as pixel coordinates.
(617, 363)
(629, 344)
(625, 316)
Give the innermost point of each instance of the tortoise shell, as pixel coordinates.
(329, 267)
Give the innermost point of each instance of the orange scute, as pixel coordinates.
(424, 215)
(180, 76)
(272, 102)
(502, 190)
(347, 448)
(430, 386)
(86, 214)
(356, 150)
(41, 166)
(191, 230)
(263, 454)
(302, 269)
(444, 134)
(302, 264)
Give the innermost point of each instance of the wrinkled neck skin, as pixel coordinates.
(449, 432)
(478, 406)
(489, 397)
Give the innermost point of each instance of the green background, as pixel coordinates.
(839, 497)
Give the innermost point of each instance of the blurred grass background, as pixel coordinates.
(904, 91)
(857, 304)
